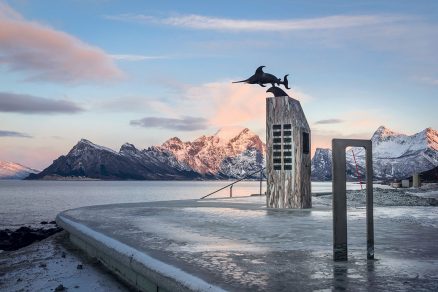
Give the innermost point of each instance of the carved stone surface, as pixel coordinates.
(288, 154)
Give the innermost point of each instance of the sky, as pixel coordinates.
(145, 71)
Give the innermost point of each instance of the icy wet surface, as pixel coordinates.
(238, 244)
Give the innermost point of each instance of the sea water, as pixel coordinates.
(30, 202)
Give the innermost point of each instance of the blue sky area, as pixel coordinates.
(144, 71)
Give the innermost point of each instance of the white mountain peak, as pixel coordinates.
(395, 155)
(88, 143)
(206, 153)
(383, 132)
(228, 133)
(432, 138)
(12, 170)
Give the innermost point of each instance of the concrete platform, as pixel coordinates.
(239, 245)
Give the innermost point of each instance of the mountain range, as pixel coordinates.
(230, 153)
(11, 170)
(395, 156)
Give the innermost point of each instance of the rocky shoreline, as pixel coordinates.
(26, 235)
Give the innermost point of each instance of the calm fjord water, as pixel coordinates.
(30, 202)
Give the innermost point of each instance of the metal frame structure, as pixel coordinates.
(340, 248)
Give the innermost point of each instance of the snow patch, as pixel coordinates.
(98, 147)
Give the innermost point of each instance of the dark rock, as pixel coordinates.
(79, 267)
(60, 288)
(43, 265)
(23, 236)
(4, 235)
(44, 222)
(52, 222)
(63, 255)
(23, 229)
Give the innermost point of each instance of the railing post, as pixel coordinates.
(231, 191)
(261, 180)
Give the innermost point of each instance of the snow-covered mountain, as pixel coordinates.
(230, 153)
(322, 164)
(234, 153)
(11, 170)
(87, 159)
(395, 156)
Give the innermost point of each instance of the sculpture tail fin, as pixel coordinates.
(246, 80)
(285, 82)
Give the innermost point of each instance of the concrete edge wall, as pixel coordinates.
(132, 266)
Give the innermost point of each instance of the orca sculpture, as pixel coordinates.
(261, 78)
(277, 91)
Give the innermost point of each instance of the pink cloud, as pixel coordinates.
(230, 104)
(44, 53)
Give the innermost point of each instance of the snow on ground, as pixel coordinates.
(46, 265)
(430, 194)
(382, 197)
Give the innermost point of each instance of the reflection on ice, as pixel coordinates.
(238, 229)
(241, 243)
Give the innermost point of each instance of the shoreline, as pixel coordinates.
(15, 239)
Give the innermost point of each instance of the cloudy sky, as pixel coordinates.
(144, 71)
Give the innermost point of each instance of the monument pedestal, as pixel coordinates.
(288, 163)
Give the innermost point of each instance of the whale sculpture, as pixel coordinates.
(261, 78)
(277, 91)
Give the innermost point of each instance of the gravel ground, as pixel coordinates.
(382, 198)
(54, 264)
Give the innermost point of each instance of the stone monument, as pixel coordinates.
(288, 146)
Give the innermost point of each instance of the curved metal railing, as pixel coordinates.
(233, 183)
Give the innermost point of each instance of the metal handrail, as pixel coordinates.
(231, 184)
